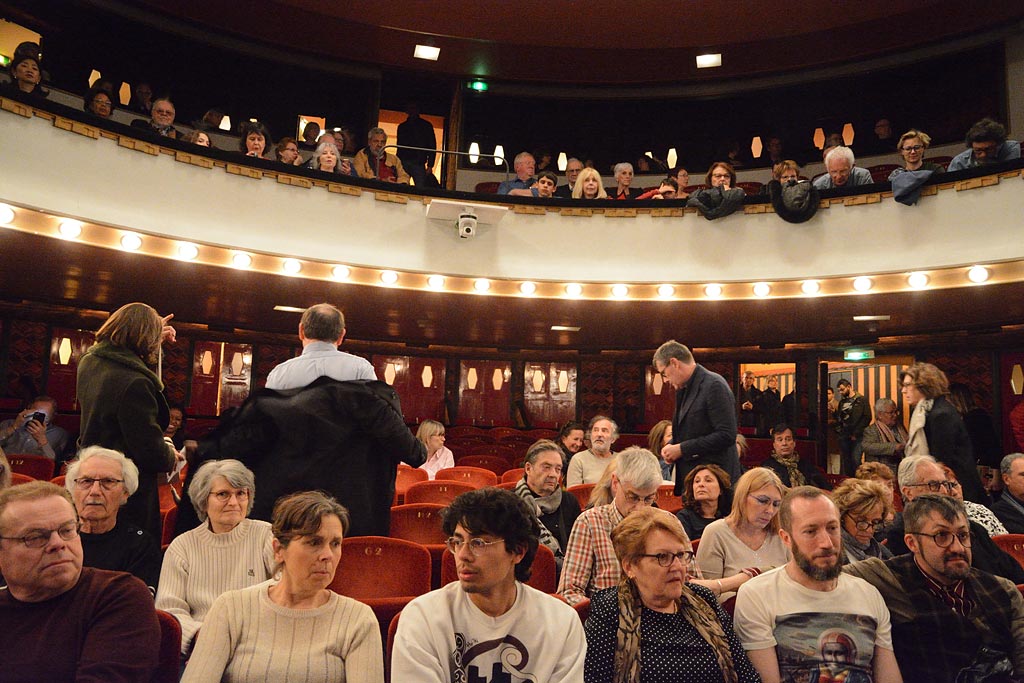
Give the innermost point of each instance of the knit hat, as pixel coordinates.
(795, 202)
(714, 202)
(906, 186)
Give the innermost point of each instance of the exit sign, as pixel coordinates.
(858, 354)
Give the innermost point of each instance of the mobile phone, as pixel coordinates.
(38, 417)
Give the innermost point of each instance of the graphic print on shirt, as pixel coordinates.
(490, 661)
(825, 647)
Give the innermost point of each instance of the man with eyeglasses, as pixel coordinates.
(943, 609)
(807, 613)
(921, 475)
(161, 121)
(489, 625)
(885, 439)
(590, 562)
(986, 144)
(573, 167)
(60, 621)
(100, 481)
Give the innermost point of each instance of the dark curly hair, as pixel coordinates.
(501, 513)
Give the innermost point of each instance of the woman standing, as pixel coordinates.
(122, 404)
(707, 496)
(431, 435)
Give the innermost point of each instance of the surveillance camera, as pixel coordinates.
(466, 225)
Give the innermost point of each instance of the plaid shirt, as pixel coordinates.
(590, 563)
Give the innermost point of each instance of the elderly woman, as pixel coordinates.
(293, 627)
(623, 178)
(659, 437)
(123, 405)
(287, 152)
(589, 185)
(721, 175)
(226, 552)
(936, 428)
(254, 140)
(975, 512)
(864, 508)
(745, 543)
(707, 496)
(431, 435)
(327, 159)
(912, 146)
(98, 103)
(654, 626)
(785, 171)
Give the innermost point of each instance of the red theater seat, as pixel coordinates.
(35, 466)
(474, 476)
(493, 463)
(437, 491)
(168, 663)
(582, 494)
(513, 475)
(667, 500)
(406, 477)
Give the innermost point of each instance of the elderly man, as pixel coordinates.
(100, 481)
(704, 421)
(807, 614)
(885, 439)
(839, 163)
(161, 121)
(60, 621)
(586, 467)
(787, 463)
(524, 184)
(986, 144)
(541, 488)
(943, 609)
(590, 562)
(374, 163)
(1010, 506)
(33, 431)
(572, 171)
(321, 331)
(921, 474)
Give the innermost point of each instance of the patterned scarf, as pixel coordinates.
(796, 477)
(697, 612)
(917, 442)
(542, 505)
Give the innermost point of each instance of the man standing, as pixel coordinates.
(61, 622)
(572, 171)
(809, 616)
(839, 163)
(321, 331)
(524, 184)
(704, 421)
(1010, 506)
(541, 488)
(33, 431)
(885, 440)
(944, 610)
(590, 561)
(586, 467)
(417, 132)
(853, 418)
(374, 163)
(748, 402)
(489, 625)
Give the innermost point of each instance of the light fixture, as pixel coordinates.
(94, 76)
(188, 251)
(64, 351)
(474, 152)
(671, 158)
(848, 134)
(666, 291)
(388, 277)
(810, 287)
(709, 60)
(871, 318)
(756, 146)
(713, 291)
(499, 155)
(130, 241)
(863, 284)
(564, 328)
(253, 121)
(762, 289)
(975, 274)
(241, 260)
(289, 309)
(819, 138)
(6, 214)
(428, 52)
(435, 282)
(563, 161)
(620, 291)
(291, 266)
(70, 229)
(573, 289)
(225, 122)
(340, 272)
(124, 95)
(528, 288)
(917, 280)
(481, 284)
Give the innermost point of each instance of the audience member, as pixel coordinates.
(880, 141)
(546, 183)
(864, 507)
(545, 160)
(985, 442)
(417, 132)
(573, 166)
(786, 171)
(310, 135)
(197, 137)
(589, 185)
(122, 402)
(853, 416)
(541, 488)
(787, 464)
(748, 402)
(327, 159)
(347, 142)
(321, 331)
(328, 636)
(587, 466)
(374, 162)
(287, 152)
(524, 184)
(26, 77)
(32, 432)
(141, 100)
(489, 625)
(986, 144)
(161, 121)
(912, 146)
(773, 153)
(707, 496)
(842, 172)
(808, 615)
(176, 425)
(880, 473)
(5, 475)
(60, 621)
(602, 493)
(1010, 506)
(745, 543)
(623, 173)
(666, 190)
(885, 439)
(659, 437)
(431, 434)
(570, 441)
(100, 481)
(98, 102)
(590, 562)
(976, 512)
(771, 407)
(254, 139)
(682, 177)
(721, 174)
(654, 626)
(225, 552)
(947, 615)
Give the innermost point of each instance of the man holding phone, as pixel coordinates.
(33, 431)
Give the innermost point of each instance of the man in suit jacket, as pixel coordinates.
(704, 421)
(1010, 507)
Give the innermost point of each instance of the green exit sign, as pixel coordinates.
(858, 354)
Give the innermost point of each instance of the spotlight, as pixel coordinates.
(291, 266)
(70, 229)
(241, 260)
(131, 242)
(977, 274)
(863, 284)
(188, 251)
(388, 277)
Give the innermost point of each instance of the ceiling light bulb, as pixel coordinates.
(762, 289)
(428, 52)
(810, 287)
(6, 214)
(340, 272)
(435, 282)
(975, 274)
(713, 291)
(917, 280)
(620, 291)
(291, 266)
(388, 277)
(710, 60)
(574, 289)
(188, 251)
(482, 285)
(474, 152)
(666, 291)
(70, 229)
(131, 242)
(528, 288)
(241, 260)
(863, 284)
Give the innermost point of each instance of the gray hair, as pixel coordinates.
(917, 510)
(1006, 464)
(520, 157)
(672, 349)
(572, 159)
(322, 145)
(838, 154)
(377, 130)
(129, 471)
(237, 475)
(603, 418)
(638, 467)
(908, 468)
(622, 166)
(883, 403)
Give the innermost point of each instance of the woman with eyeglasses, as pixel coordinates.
(227, 551)
(863, 509)
(912, 146)
(655, 625)
(431, 435)
(975, 512)
(736, 549)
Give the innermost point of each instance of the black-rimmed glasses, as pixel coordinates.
(944, 539)
(665, 559)
(935, 486)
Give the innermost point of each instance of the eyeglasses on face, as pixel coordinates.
(934, 486)
(944, 539)
(864, 525)
(38, 538)
(476, 545)
(85, 483)
(913, 148)
(643, 500)
(765, 501)
(225, 496)
(665, 559)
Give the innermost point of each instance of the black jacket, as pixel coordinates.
(950, 444)
(812, 473)
(704, 425)
(345, 438)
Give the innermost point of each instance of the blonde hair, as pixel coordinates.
(752, 480)
(858, 496)
(910, 135)
(427, 429)
(586, 174)
(601, 494)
